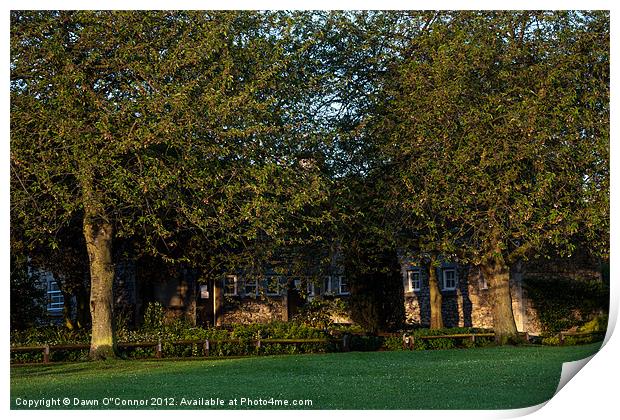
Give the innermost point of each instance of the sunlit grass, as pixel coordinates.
(481, 378)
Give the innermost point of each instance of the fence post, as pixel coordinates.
(258, 344)
(527, 336)
(46, 353)
(473, 338)
(561, 339)
(207, 347)
(158, 349)
(405, 341)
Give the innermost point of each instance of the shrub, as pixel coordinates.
(393, 343)
(318, 312)
(366, 343)
(448, 343)
(154, 316)
(596, 324)
(573, 307)
(51, 335)
(176, 330)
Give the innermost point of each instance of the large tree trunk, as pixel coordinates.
(435, 296)
(497, 274)
(98, 235)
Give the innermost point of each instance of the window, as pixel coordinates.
(414, 280)
(55, 300)
(271, 285)
(250, 287)
(483, 282)
(313, 289)
(230, 286)
(328, 285)
(449, 279)
(343, 285)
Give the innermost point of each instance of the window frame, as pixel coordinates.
(444, 283)
(55, 298)
(340, 292)
(267, 282)
(410, 281)
(252, 283)
(235, 285)
(484, 285)
(312, 289)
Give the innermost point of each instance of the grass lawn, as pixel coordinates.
(482, 378)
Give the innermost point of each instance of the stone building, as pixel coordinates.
(465, 293)
(241, 298)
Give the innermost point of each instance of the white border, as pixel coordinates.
(592, 394)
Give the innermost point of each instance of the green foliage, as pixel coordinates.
(177, 330)
(375, 343)
(596, 324)
(318, 312)
(51, 335)
(565, 303)
(448, 343)
(554, 340)
(188, 133)
(393, 343)
(125, 115)
(154, 316)
(28, 298)
(494, 133)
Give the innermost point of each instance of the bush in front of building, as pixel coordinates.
(594, 329)
(153, 330)
(448, 343)
(52, 335)
(578, 302)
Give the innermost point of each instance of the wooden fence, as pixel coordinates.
(408, 342)
(563, 334)
(207, 345)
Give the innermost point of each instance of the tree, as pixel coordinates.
(164, 127)
(496, 129)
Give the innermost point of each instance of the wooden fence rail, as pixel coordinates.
(206, 345)
(409, 340)
(563, 334)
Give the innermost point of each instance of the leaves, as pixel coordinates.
(175, 126)
(493, 123)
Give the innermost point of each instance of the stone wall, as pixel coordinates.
(248, 310)
(469, 305)
(525, 315)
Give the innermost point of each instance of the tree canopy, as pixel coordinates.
(222, 137)
(494, 131)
